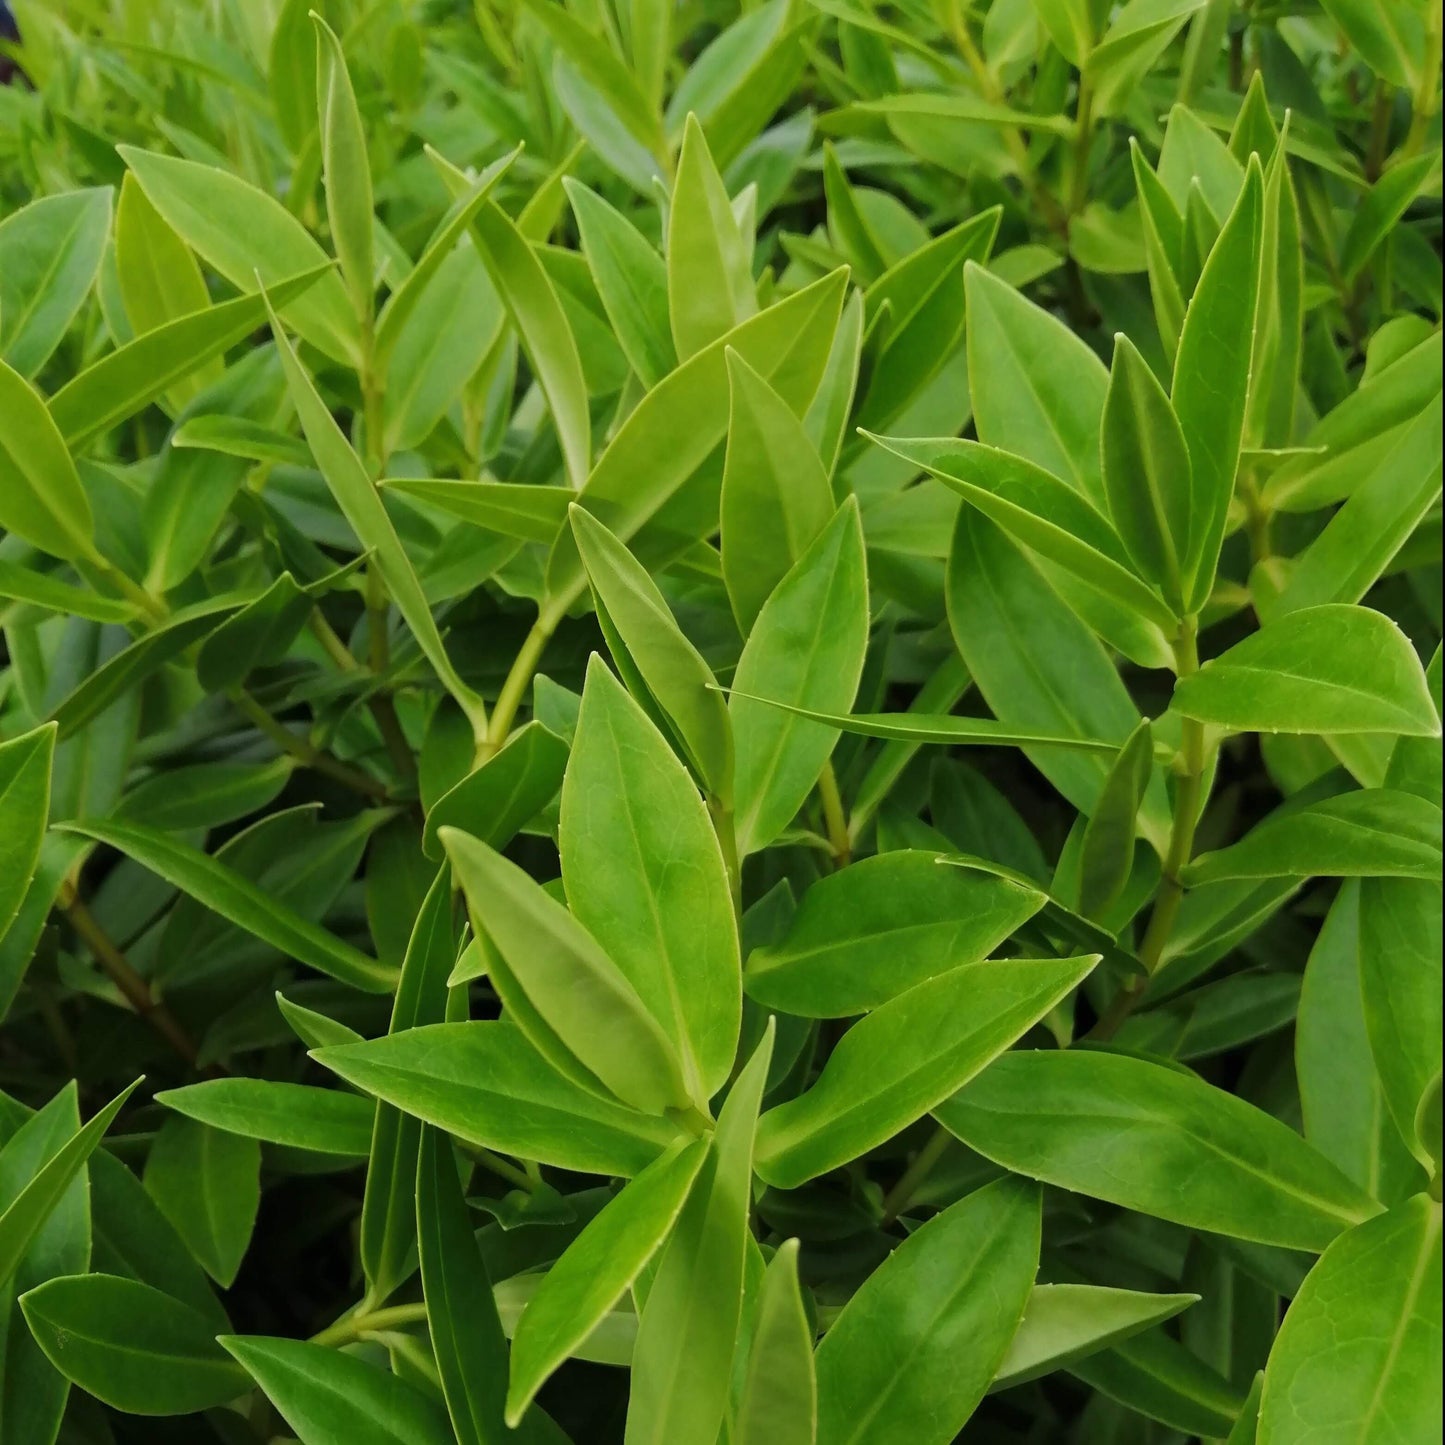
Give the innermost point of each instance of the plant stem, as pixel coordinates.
(924, 1162)
(514, 689)
(306, 753)
(1187, 800)
(352, 1326)
(1083, 144)
(836, 816)
(117, 967)
(1426, 99)
(725, 826)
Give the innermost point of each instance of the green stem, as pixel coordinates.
(836, 816)
(1187, 800)
(1426, 96)
(514, 689)
(305, 753)
(1083, 144)
(151, 607)
(913, 1178)
(725, 826)
(352, 1326)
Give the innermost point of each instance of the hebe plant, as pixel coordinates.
(728, 700)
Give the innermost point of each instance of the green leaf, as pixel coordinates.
(579, 993)
(227, 892)
(668, 437)
(1330, 669)
(1375, 833)
(499, 798)
(345, 169)
(1356, 1359)
(646, 877)
(1040, 511)
(205, 795)
(1065, 1322)
(207, 1184)
(1036, 387)
(1146, 471)
(1387, 37)
(122, 383)
(1165, 1143)
(485, 1083)
(913, 1352)
(709, 273)
(597, 1269)
(245, 234)
(262, 631)
(50, 252)
(668, 666)
(25, 768)
(869, 932)
(779, 1403)
(327, 1121)
(28, 1212)
(906, 1057)
(1070, 25)
(1107, 853)
(41, 498)
(138, 1350)
(325, 1396)
(529, 513)
(359, 501)
(1211, 380)
(682, 1365)
(805, 649)
(631, 280)
(40, 589)
(776, 497)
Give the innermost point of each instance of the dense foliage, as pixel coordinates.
(738, 706)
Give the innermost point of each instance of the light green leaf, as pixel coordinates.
(1107, 852)
(345, 169)
(645, 875)
(597, 1269)
(867, 933)
(1149, 1138)
(327, 1121)
(1330, 669)
(913, 1352)
(779, 1401)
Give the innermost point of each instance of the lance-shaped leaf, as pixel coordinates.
(709, 272)
(495, 801)
(515, 509)
(1157, 1140)
(25, 766)
(1037, 388)
(806, 649)
(1330, 669)
(682, 1365)
(244, 233)
(28, 1212)
(466, 1330)
(360, 503)
(260, 632)
(41, 498)
(1146, 471)
(1041, 511)
(1107, 853)
(678, 425)
(867, 933)
(914, 1351)
(130, 1345)
(121, 384)
(1065, 1322)
(907, 1056)
(50, 252)
(345, 168)
(779, 1404)
(776, 497)
(668, 666)
(1375, 833)
(578, 991)
(596, 1269)
(225, 891)
(485, 1083)
(1212, 378)
(327, 1121)
(1357, 1358)
(645, 876)
(325, 1395)
(631, 280)
(40, 589)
